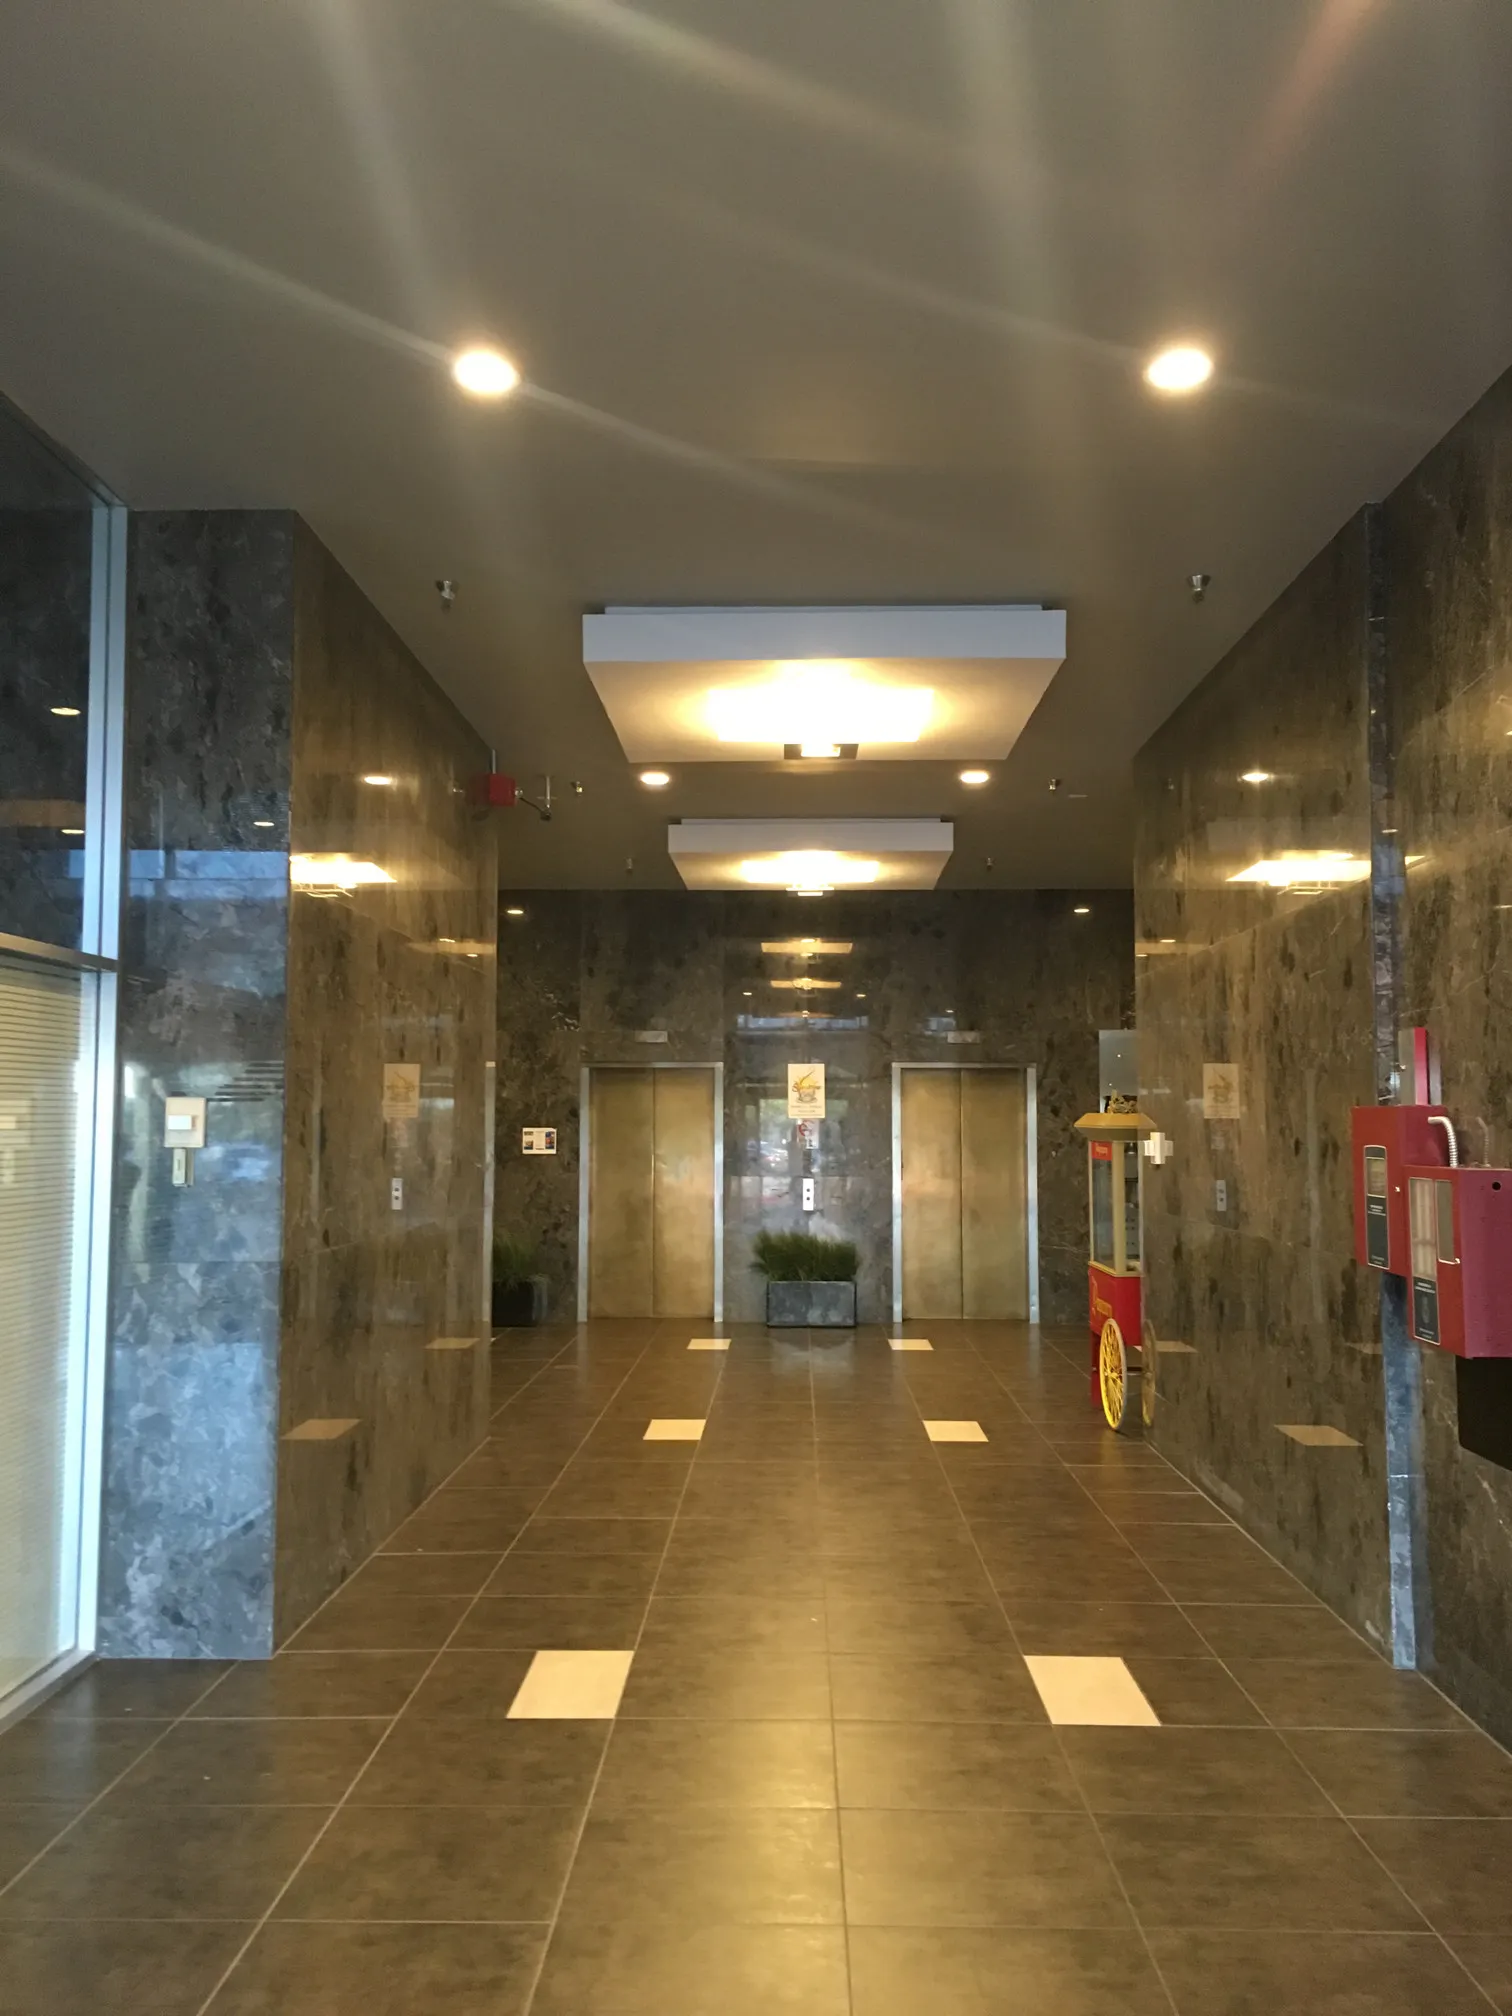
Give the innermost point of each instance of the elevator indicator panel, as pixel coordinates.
(1377, 1215)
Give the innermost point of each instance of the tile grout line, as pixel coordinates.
(434, 1660)
(105, 1790)
(1055, 1728)
(829, 1678)
(582, 1828)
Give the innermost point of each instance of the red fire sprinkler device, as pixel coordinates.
(1445, 1230)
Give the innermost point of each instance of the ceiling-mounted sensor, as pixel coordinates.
(1199, 585)
(446, 588)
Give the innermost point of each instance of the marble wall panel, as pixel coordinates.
(187, 1553)
(582, 973)
(1449, 639)
(396, 972)
(1276, 983)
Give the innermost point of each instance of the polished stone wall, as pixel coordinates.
(187, 1544)
(1448, 545)
(399, 973)
(1376, 693)
(583, 975)
(1278, 1323)
(281, 1288)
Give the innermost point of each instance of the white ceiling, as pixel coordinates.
(838, 302)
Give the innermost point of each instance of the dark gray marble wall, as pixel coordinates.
(400, 972)
(1280, 1323)
(1293, 989)
(281, 1288)
(1448, 545)
(582, 973)
(187, 1558)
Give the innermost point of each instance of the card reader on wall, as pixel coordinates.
(1445, 1230)
(184, 1123)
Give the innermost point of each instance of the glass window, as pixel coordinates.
(1131, 1204)
(1102, 1213)
(47, 529)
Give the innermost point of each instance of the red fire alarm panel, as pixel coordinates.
(1460, 1259)
(1386, 1139)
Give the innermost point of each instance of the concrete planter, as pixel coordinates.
(811, 1305)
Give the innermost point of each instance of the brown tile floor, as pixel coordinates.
(831, 1789)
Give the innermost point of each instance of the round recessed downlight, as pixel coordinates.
(377, 777)
(655, 780)
(65, 713)
(1255, 777)
(514, 913)
(486, 374)
(72, 832)
(975, 776)
(1181, 367)
(1082, 910)
(265, 824)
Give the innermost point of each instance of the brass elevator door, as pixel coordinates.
(964, 1203)
(651, 1193)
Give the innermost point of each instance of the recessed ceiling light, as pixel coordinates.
(1168, 941)
(447, 941)
(514, 913)
(860, 997)
(975, 776)
(1182, 367)
(66, 713)
(487, 374)
(1302, 870)
(1082, 910)
(326, 873)
(263, 823)
(654, 780)
(1256, 777)
(746, 993)
(72, 832)
(820, 708)
(806, 948)
(377, 777)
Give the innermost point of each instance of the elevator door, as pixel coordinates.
(651, 1143)
(964, 1217)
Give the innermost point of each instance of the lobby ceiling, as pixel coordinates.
(840, 303)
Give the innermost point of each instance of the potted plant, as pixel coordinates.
(519, 1293)
(811, 1282)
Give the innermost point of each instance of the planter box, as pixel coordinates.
(811, 1305)
(521, 1305)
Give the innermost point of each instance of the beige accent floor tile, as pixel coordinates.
(453, 1344)
(572, 1687)
(909, 1344)
(709, 1344)
(320, 1431)
(955, 1431)
(1317, 1435)
(1091, 1693)
(673, 1431)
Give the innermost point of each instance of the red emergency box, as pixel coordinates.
(1445, 1230)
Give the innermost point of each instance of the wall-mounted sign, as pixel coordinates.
(650, 1035)
(1220, 1092)
(963, 1036)
(401, 1091)
(805, 1091)
(538, 1140)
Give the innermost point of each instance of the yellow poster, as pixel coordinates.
(805, 1091)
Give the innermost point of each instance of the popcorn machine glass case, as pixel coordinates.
(1119, 1387)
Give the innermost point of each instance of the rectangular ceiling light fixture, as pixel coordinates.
(751, 685)
(1325, 868)
(810, 857)
(808, 948)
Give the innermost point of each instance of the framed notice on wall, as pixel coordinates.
(1220, 1092)
(805, 1091)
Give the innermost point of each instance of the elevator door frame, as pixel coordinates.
(1031, 1177)
(585, 1173)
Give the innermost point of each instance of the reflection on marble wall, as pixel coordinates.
(1449, 641)
(281, 1286)
(187, 1557)
(400, 972)
(1281, 1322)
(582, 973)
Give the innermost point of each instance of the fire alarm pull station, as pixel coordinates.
(1445, 1230)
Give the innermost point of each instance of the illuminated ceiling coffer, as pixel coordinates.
(810, 857)
(751, 685)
